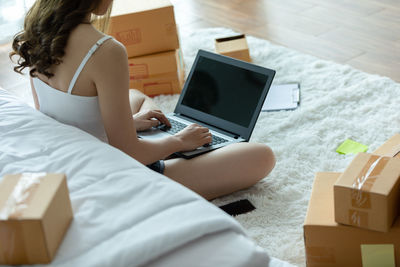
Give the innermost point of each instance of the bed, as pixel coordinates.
(124, 213)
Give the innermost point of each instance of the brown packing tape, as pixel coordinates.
(12, 236)
(358, 218)
(370, 172)
(21, 195)
(320, 255)
(7, 242)
(11, 232)
(360, 197)
(30, 193)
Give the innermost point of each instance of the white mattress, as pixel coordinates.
(124, 213)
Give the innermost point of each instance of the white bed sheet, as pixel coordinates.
(218, 250)
(124, 213)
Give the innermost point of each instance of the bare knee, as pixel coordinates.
(264, 161)
(134, 93)
(136, 99)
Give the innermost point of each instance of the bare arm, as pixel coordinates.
(145, 112)
(35, 98)
(111, 76)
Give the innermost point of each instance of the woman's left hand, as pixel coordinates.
(149, 118)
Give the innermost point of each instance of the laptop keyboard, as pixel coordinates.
(177, 126)
(217, 140)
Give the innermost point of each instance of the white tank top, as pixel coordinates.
(79, 111)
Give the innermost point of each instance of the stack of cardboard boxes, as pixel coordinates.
(149, 33)
(352, 218)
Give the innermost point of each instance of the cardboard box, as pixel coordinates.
(161, 73)
(144, 27)
(35, 213)
(234, 46)
(328, 243)
(390, 148)
(367, 193)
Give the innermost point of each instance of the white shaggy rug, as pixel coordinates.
(337, 102)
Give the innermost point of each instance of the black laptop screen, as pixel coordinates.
(224, 91)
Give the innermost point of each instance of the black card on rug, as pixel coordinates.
(238, 207)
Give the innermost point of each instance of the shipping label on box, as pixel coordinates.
(144, 27)
(366, 194)
(35, 212)
(328, 243)
(138, 71)
(155, 64)
(390, 148)
(156, 74)
(233, 46)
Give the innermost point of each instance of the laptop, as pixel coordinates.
(222, 94)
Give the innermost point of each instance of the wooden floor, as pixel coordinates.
(364, 34)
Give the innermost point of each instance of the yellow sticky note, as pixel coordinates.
(351, 147)
(381, 255)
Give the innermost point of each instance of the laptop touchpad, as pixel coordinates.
(153, 133)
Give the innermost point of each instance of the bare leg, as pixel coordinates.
(224, 170)
(219, 172)
(140, 101)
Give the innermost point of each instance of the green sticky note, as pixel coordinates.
(351, 147)
(377, 255)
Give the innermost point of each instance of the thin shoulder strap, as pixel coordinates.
(84, 61)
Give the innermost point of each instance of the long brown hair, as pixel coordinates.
(47, 27)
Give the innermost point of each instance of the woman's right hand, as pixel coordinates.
(194, 136)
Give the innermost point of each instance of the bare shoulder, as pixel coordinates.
(111, 51)
(109, 67)
(110, 57)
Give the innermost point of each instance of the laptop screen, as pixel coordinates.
(225, 91)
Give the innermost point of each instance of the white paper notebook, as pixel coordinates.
(282, 97)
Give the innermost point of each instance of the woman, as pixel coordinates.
(80, 77)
